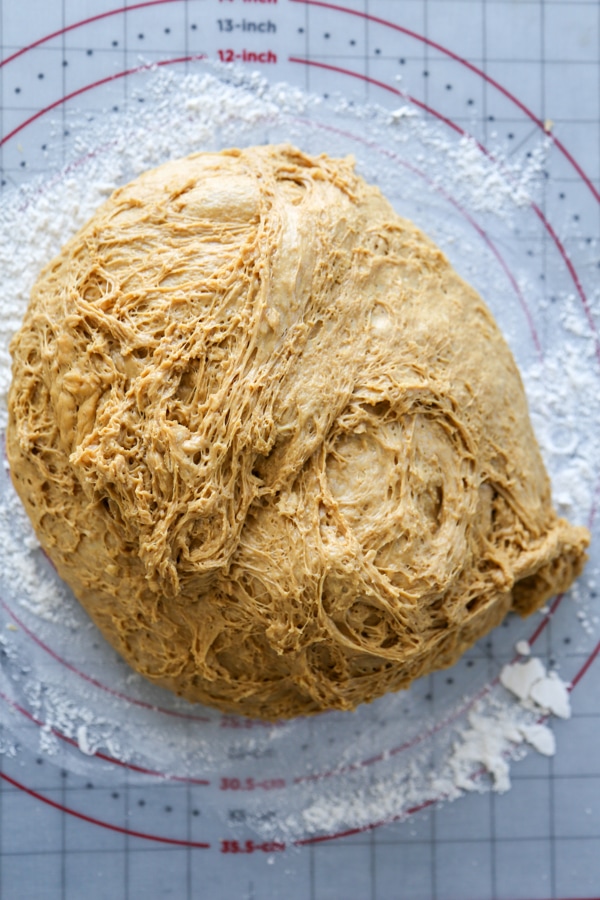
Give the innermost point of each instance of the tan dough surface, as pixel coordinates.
(275, 444)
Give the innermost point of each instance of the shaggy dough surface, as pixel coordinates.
(277, 447)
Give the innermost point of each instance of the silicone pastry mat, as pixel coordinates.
(492, 67)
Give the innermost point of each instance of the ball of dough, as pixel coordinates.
(277, 447)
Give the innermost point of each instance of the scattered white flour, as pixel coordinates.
(520, 677)
(497, 188)
(540, 737)
(338, 771)
(523, 648)
(487, 743)
(551, 694)
(27, 577)
(529, 682)
(488, 739)
(492, 734)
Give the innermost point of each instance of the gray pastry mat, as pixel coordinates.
(541, 839)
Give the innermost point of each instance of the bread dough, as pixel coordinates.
(274, 443)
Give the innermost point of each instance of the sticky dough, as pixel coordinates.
(277, 447)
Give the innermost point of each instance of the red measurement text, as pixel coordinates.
(229, 846)
(249, 784)
(248, 56)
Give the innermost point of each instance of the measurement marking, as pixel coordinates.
(249, 784)
(386, 23)
(247, 56)
(233, 846)
(265, 27)
(118, 828)
(111, 12)
(463, 62)
(203, 782)
(88, 87)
